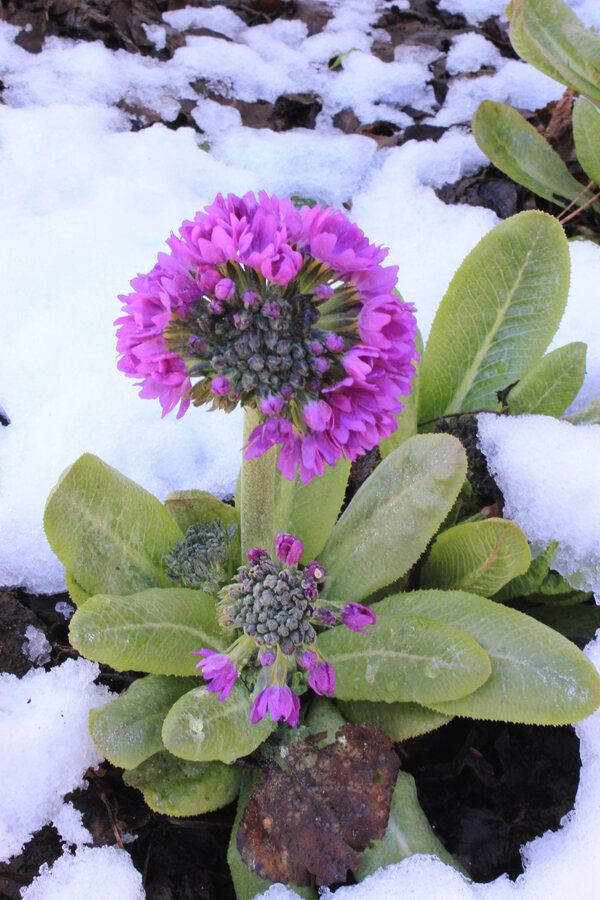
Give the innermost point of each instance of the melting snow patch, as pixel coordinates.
(547, 470)
(45, 751)
(98, 873)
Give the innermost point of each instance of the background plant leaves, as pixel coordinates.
(550, 386)
(392, 517)
(498, 316)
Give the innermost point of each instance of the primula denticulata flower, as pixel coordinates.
(276, 605)
(287, 311)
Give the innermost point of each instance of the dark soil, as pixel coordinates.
(487, 788)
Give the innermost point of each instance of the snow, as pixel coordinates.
(547, 470)
(87, 203)
(45, 750)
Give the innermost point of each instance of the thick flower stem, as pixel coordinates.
(257, 506)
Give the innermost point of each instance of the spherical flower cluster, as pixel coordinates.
(277, 606)
(287, 311)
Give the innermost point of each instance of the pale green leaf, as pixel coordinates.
(498, 316)
(128, 729)
(108, 531)
(190, 507)
(586, 44)
(531, 579)
(392, 517)
(309, 511)
(586, 133)
(551, 385)
(405, 657)
(479, 557)
(177, 787)
(202, 728)
(588, 415)
(538, 676)
(153, 631)
(517, 149)
(76, 592)
(541, 31)
(400, 721)
(408, 832)
(407, 417)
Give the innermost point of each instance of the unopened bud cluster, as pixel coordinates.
(272, 604)
(201, 560)
(259, 342)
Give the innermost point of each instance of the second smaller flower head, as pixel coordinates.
(275, 603)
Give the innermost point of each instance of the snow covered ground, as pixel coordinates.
(87, 203)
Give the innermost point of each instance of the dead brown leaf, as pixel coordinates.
(312, 812)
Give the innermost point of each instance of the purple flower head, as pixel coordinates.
(321, 678)
(280, 701)
(254, 278)
(358, 617)
(255, 554)
(288, 548)
(219, 670)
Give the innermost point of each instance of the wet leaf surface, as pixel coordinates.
(313, 811)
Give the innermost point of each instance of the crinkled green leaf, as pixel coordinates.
(177, 787)
(550, 386)
(406, 657)
(517, 149)
(400, 721)
(531, 579)
(201, 728)
(153, 631)
(407, 417)
(309, 511)
(554, 590)
(479, 557)
(408, 832)
(108, 531)
(498, 316)
(392, 517)
(128, 729)
(586, 134)
(538, 676)
(541, 31)
(588, 415)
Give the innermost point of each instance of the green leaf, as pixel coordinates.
(589, 415)
(538, 677)
(393, 516)
(408, 832)
(586, 133)
(517, 149)
(498, 316)
(128, 729)
(551, 385)
(176, 787)
(247, 884)
(405, 657)
(76, 592)
(479, 557)
(108, 531)
(201, 728)
(407, 417)
(586, 44)
(576, 622)
(539, 32)
(554, 590)
(531, 579)
(400, 721)
(324, 716)
(309, 511)
(153, 631)
(191, 507)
